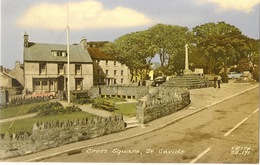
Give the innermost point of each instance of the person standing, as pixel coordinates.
(219, 80)
(215, 81)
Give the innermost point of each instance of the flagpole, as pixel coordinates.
(68, 54)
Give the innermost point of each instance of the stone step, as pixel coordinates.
(188, 81)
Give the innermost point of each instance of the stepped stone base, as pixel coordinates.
(190, 81)
(188, 72)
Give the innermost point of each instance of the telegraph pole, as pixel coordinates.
(68, 54)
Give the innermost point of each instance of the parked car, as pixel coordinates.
(234, 75)
(158, 80)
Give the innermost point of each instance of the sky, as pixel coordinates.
(45, 21)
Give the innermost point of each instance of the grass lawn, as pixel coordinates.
(115, 99)
(111, 99)
(26, 125)
(17, 110)
(127, 109)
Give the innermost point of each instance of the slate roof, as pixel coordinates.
(42, 52)
(96, 54)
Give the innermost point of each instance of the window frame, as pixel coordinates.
(78, 71)
(42, 68)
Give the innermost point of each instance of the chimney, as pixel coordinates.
(17, 64)
(26, 39)
(84, 42)
(1, 69)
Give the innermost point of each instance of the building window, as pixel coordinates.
(37, 85)
(114, 81)
(107, 72)
(78, 83)
(45, 86)
(78, 69)
(122, 72)
(114, 72)
(42, 68)
(115, 63)
(99, 71)
(122, 80)
(60, 68)
(51, 86)
(59, 53)
(106, 62)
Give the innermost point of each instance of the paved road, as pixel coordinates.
(225, 133)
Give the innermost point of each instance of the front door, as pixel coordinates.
(61, 81)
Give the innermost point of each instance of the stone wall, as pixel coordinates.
(123, 91)
(57, 133)
(161, 102)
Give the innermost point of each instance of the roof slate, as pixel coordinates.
(96, 54)
(42, 52)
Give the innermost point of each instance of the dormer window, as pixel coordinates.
(59, 53)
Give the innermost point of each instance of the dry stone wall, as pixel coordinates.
(57, 133)
(161, 102)
(124, 91)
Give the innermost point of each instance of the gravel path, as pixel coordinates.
(18, 117)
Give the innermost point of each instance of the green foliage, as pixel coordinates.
(97, 102)
(137, 49)
(20, 101)
(224, 77)
(170, 40)
(243, 64)
(212, 46)
(82, 101)
(220, 45)
(53, 108)
(134, 49)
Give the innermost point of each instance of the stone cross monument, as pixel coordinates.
(187, 70)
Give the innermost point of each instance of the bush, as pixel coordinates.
(53, 108)
(224, 77)
(97, 102)
(82, 101)
(21, 101)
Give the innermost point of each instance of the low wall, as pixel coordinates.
(57, 133)
(124, 91)
(161, 102)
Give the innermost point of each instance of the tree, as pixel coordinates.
(243, 64)
(253, 52)
(170, 41)
(136, 50)
(256, 73)
(220, 44)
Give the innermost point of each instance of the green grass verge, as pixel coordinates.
(17, 110)
(111, 99)
(26, 125)
(127, 109)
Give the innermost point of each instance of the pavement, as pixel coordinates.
(201, 99)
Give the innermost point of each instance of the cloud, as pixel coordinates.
(85, 14)
(224, 5)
